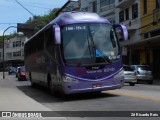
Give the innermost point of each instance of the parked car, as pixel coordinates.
(143, 72)
(11, 70)
(21, 75)
(129, 75)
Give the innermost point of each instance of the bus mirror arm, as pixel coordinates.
(57, 34)
(121, 31)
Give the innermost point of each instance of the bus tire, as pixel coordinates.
(30, 78)
(50, 84)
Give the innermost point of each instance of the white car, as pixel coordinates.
(129, 75)
(143, 73)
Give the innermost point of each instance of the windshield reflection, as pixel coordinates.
(89, 44)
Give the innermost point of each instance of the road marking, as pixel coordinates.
(132, 95)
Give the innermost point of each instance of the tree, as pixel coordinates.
(7, 37)
(40, 21)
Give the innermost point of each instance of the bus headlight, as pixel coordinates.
(120, 74)
(69, 79)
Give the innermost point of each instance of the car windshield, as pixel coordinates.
(127, 68)
(89, 44)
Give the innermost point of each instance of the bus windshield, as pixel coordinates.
(91, 43)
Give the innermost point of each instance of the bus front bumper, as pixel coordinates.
(90, 86)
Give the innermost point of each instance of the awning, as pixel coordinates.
(138, 42)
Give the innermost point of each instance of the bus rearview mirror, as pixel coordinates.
(122, 32)
(57, 34)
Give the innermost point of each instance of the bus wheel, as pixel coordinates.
(50, 85)
(30, 78)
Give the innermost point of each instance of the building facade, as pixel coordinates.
(13, 51)
(128, 13)
(144, 47)
(150, 35)
(142, 19)
(105, 8)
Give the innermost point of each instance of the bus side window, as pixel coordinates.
(40, 42)
(49, 38)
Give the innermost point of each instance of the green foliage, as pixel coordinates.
(7, 37)
(37, 21)
(40, 21)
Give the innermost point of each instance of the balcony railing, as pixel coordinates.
(125, 3)
(156, 15)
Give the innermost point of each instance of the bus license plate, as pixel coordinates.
(96, 85)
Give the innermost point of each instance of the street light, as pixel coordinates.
(20, 28)
(3, 49)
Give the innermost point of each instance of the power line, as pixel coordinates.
(35, 5)
(24, 7)
(8, 23)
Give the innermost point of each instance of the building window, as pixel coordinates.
(145, 6)
(127, 13)
(146, 35)
(16, 54)
(155, 33)
(135, 11)
(157, 4)
(121, 16)
(17, 44)
(94, 5)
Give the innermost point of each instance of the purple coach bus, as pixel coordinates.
(75, 53)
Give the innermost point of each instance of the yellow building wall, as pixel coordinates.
(147, 19)
(146, 25)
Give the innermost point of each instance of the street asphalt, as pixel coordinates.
(12, 99)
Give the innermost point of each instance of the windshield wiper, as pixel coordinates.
(91, 44)
(112, 38)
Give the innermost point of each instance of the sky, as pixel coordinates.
(13, 13)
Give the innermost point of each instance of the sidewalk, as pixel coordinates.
(12, 99)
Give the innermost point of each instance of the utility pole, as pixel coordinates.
(3, 49)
